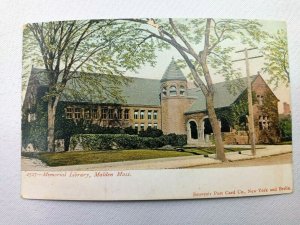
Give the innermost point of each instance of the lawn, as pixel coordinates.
(92, 157)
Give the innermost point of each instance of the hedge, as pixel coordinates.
(124, 141)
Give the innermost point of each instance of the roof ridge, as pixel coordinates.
(41, 70)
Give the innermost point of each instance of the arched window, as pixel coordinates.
(173, 91)
(182, 91)
(164, 91)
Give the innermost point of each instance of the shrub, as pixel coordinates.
(285, 126)
(130, 131)
(124, 141)
(151, 132)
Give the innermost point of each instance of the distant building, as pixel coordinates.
(168, 104)
(286, 109)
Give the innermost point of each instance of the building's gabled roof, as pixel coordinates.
(223, 96)
(139, 91)
(142, 91)
(173, 72)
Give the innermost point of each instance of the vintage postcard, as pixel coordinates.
(149, 108)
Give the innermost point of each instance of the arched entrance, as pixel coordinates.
(206, 131)
(225, 126)
(193, 130)
(207, 126)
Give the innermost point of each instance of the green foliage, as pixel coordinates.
(188, 36)
(276, 58)
(285, 125)
(130, 131)
(151, 132)
(99, 142)
(72, 52)
(35, 132)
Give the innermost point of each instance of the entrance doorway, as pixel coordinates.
(207, 127)
(194, 130)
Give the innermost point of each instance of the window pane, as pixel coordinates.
(173, 91)
(149, 115)
(142, 113)
(94, 113)
(155, 115)
(77, 113)
(120, 114)
(110, 113)
(87, 114)
(136, 113)
(126, 114)
(104, 113)
(182, 90)
(164, 91)
(69, 114)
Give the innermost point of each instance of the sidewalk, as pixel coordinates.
(164, 163)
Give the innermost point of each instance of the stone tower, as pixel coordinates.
(174, 100)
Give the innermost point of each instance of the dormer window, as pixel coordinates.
(173, 91)
(164, 91)
(182, 91)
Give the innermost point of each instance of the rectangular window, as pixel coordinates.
(136, 114)
(142, 126)
(142, 114)
(155, 115)
(87, 114)
(155, 125)
(31, 117)
(104, 113)
(94, 113)
(120, 114)
(260, 99)
(126, 114)
(149, 124)
(77, 114)
(136, 126)
(110, 114)
(149, 114)
(69, 113)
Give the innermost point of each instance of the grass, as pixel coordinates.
(92, 157)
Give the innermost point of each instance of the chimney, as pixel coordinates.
(286, 109)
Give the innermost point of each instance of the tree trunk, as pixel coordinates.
(51, 121)
(220, 155)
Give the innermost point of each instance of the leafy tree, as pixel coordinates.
(72, 51)
(203, 45)
(285, 125)
(276, 58)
